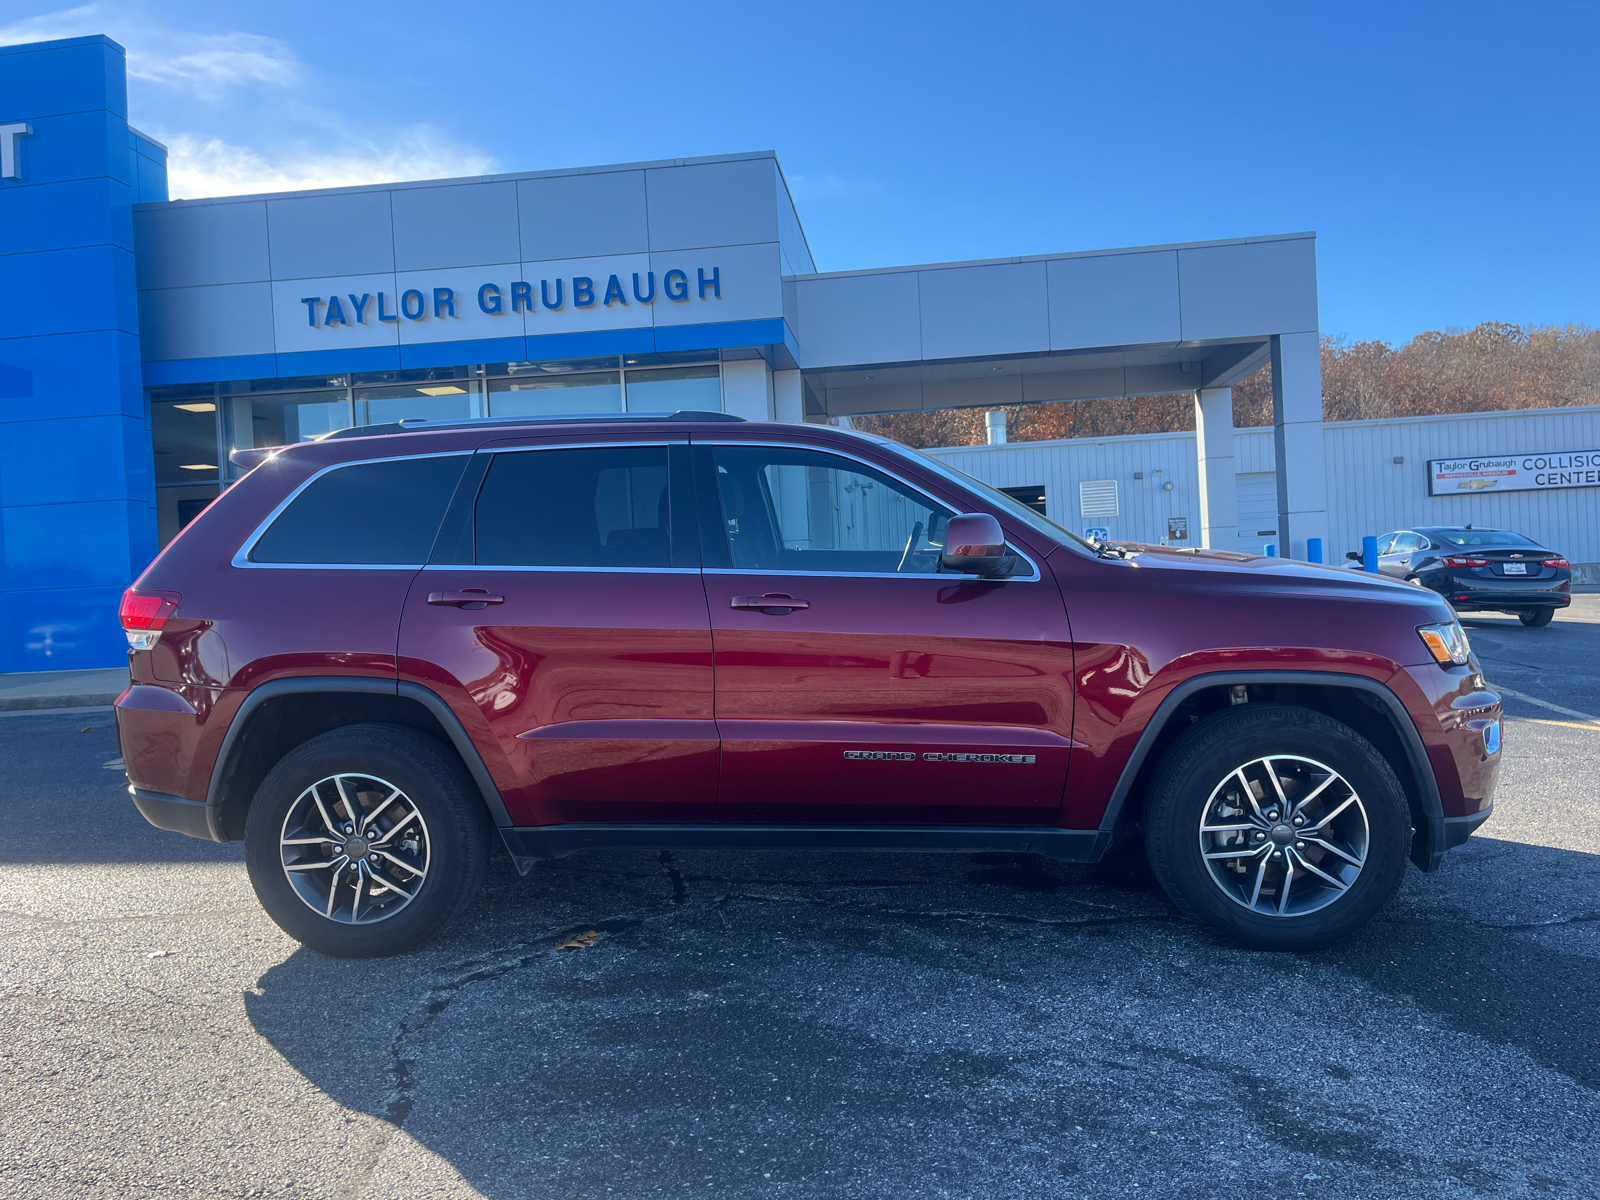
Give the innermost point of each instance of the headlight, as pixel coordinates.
(1447, 643)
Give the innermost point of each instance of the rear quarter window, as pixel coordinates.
(365, 514)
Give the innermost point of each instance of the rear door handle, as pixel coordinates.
(774, 604)
(466, 598)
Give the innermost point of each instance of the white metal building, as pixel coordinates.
(1377, 480)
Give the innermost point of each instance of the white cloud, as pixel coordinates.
(202, 64)
(313, 148)
(213, 167)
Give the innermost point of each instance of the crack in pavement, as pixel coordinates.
(951, 914)
(1553, 922)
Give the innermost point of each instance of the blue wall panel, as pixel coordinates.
(67, 460)
(65, 375)
(77, 501)
(62, 629)
(44, 79)
(338, 362)
(210, 370)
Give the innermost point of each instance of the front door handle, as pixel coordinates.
(774, 604)
(466, 598)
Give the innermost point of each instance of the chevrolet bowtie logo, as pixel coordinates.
(9, 169)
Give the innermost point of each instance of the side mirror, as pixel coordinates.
(1353, 555)
(974, 544)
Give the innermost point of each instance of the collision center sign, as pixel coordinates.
(1513, 473)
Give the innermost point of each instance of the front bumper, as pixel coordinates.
(1458, 829)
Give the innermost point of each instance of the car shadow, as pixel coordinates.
(743, 1014)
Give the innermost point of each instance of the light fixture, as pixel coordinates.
(448, 390)
(198, 406)
(198, 466)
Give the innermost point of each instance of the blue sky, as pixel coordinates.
(1447, 155)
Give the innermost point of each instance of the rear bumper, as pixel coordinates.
(174, 813)
(1501, 601)
(1498, 595)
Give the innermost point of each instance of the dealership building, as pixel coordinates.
(142, 339)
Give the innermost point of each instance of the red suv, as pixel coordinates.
(376, 652)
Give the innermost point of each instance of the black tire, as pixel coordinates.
(432, 780)
(1203, 758)
(1537, 618)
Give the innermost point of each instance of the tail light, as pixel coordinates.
(143, 614)
(1453, 561)
(1559, 564)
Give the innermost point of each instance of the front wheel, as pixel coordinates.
(1277, 826)
(1538, 618)
(364, 841)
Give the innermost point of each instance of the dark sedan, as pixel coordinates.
(1480, 570)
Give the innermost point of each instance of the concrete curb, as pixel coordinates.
(47, 703)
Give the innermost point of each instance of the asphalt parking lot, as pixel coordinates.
(806, 1025)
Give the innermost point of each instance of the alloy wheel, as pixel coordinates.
(355, 848)
(1284, 835)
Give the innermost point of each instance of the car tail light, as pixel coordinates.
(1454, 561)
(1559, 564)
(144, 614)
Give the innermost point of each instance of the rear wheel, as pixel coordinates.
(1277, 826)
(366, 840)
(1538, 618)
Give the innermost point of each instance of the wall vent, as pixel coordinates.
(1098, 498)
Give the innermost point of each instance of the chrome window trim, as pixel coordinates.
(942, 577)
(1035, 577)
(558, 570)
(241, 557)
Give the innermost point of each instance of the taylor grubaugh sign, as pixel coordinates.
(1513, 473)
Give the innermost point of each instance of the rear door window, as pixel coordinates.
(596, 507)
(366, 514)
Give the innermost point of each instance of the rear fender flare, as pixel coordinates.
(354, 685)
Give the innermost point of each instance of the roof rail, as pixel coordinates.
(422, 425)
(253, 457)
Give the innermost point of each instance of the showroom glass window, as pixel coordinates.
(577, 387)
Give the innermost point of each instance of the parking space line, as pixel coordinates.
(1527, 699)
(1563, 724)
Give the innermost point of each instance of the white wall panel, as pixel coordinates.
(347, 233)
(571, 319)
(195, 322)
(752, 288)
(1114, 300)
(461, 225)
(1368, 493)
(712, 204)
(293, 330)
(580, 216)
(469, 320)
(189, 245)
(1249, 289)
(980, 310)
(850, 319)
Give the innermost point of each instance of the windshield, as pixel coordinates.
(1013, 507)
(1481, 537)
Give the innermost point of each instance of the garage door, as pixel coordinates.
(1258, 510)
